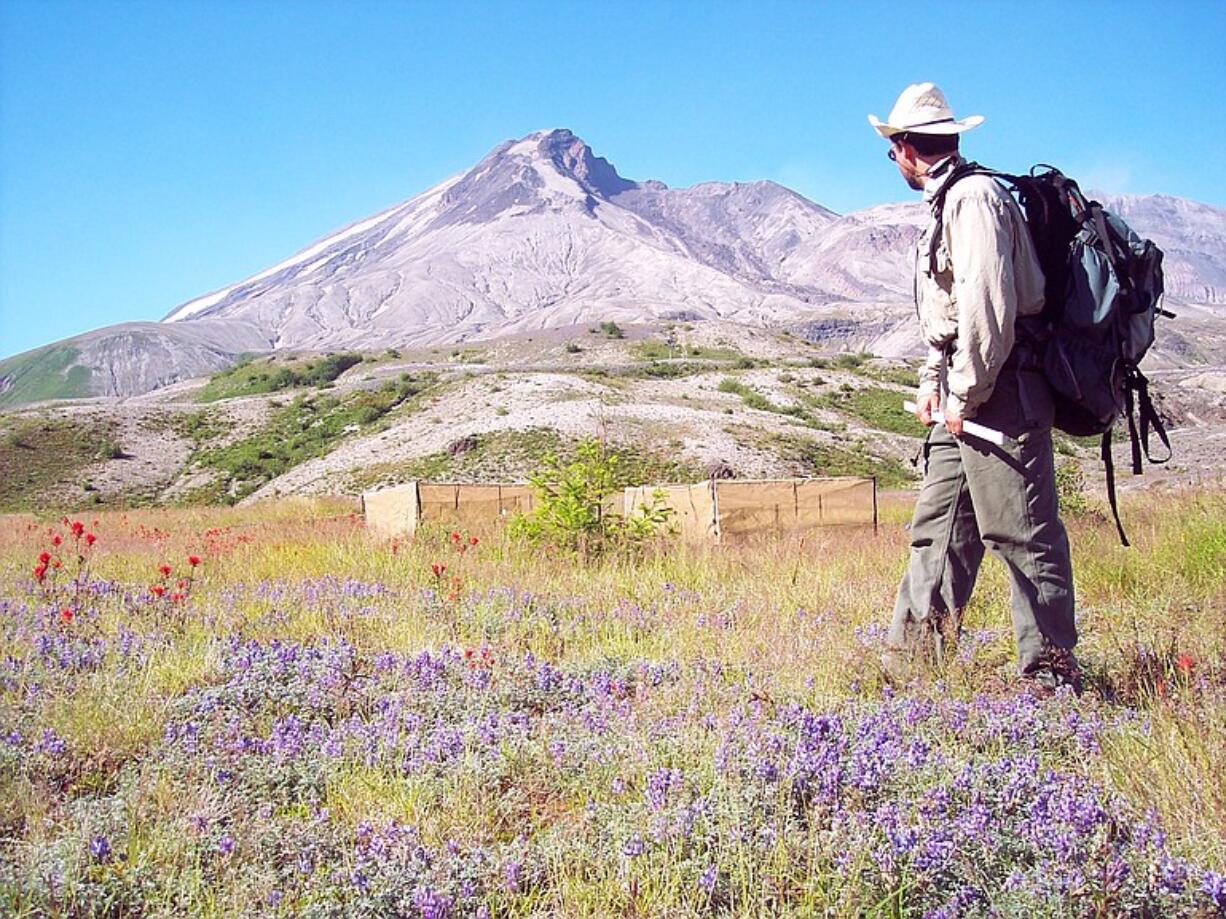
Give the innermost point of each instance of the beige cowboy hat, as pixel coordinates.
(922, 109)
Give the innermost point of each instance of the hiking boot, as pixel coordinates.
(1042, 684)
(896, 664)
(1056, 667)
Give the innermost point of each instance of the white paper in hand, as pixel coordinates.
(970, 427)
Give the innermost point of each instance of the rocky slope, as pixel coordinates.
(680, 399)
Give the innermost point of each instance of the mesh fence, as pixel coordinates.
(717, 510)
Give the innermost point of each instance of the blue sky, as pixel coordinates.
(153, 151)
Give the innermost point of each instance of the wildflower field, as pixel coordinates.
(266, 711)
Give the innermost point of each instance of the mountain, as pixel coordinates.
(539, 233)
(543, 233)
(1192, 236)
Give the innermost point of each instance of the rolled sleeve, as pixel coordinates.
(980, 242)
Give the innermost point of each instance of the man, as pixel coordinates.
(976, 276)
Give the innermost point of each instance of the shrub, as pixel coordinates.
(612, 330)
(850, 361)
(576, 509)
(110, 449)
(329, 368)
(755, 400)
(1070, 489)
(249, 378)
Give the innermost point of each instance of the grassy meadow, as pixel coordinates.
(266, 711)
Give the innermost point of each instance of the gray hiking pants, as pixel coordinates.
(975, 495)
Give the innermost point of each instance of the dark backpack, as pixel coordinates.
(1102, 292)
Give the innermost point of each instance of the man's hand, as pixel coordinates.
(925, 406)
(953, 421)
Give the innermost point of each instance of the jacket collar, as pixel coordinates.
(939, 174)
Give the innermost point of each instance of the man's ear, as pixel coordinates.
(904, 151)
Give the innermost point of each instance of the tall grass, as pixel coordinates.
(770, 623)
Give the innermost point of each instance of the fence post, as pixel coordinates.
(874, 505)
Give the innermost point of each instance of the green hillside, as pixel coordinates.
(45, 373)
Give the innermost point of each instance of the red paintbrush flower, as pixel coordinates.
(44, 557)
(66, 614)
(90, 539)
(78, 528)
(158, 590)
(1185, 664)
(193, 560)
(164, 569)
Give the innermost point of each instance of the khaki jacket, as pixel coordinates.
(987, 274)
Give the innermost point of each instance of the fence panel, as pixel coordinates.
(693, 507)
(391, 511)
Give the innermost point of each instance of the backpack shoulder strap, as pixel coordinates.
(961, 171)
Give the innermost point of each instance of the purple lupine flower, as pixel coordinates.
(225, 845)
(1213, 886)
(634, 846)
(661, 784)
(100, 849)
(512, 875)
(708, 878)
(935, 851)
(432, 905)
(51, 743)
(1173, 876)
(1116, 873)
(683, 823)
